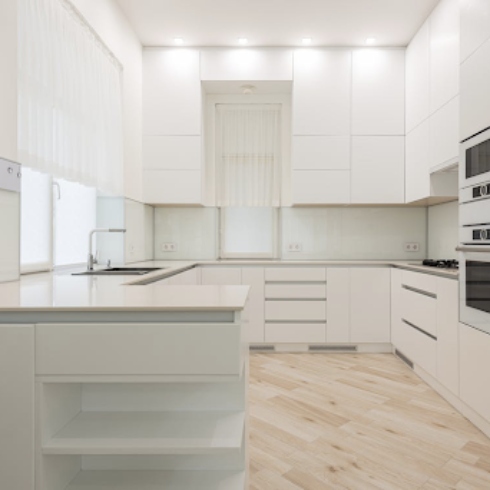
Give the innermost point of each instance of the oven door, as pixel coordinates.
(475, 160)
(474, 284)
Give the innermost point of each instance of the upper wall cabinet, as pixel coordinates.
(378, 92)
(322, 92)
(417, 79)
(475, 25)
(444, 53)
(321, 152)
(171, 92)
(246, 64)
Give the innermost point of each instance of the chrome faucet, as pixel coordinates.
(91, 259)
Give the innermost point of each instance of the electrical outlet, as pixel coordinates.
(412, 246)
(295, 247)
(169, 247)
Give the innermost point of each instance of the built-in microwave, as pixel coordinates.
(475, 159)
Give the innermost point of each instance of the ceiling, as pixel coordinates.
(276, 22)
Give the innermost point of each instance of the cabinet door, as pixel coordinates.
(338, 304)
(186, 278)
(475, 25)
(378, 92)
(378, 169)
(417, 180)
(321, 152)
(172, 186)
(444, 53)
(474, 347)
(321, 186)
(171, 92)
(17, 407)
(172, 152)
(254, 277)
(447, 334)
(396, 309)
(475, 96)
(417, 79)
(321, 91)
(370, 304)
(221, 276)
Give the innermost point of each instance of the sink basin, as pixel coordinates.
(119, 271)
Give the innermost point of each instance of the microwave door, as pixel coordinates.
(475, 160)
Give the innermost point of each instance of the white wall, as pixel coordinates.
(8, 80)
(107, 19)
(443, 231)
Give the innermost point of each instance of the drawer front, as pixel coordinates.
(295, 310)
(295, 274)
(419, 309)
(418, 347)
(296, 291)
(110, 349)
(418, 280)
(295, 332)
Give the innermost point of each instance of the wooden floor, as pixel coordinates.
(356, 422)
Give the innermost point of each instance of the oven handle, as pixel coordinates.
(473, 249)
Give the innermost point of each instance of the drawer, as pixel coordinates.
(418, 280)
(296, 310)
(419, 309)
(296, 291)
(138, 349)
(295, 274)
(295, 332)
(417, 346)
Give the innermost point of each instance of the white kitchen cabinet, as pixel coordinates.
(162, 152)
(301, 333)
(295, 311)
(447, 334)
(17, 433)
(321, 152)
(378, 169)
(474, 360)
(475, 96)
(172, 186)
(254, 312)
(171, 91)
(221, 276)
(417, 179)
(444, 53)
(322, 91)
(370, 304)
(338, 304)
(475, 25)
(378, 92)
(321, 186)
(417, 79)
(186, 278)
(396, 307)
(295, 274)
(228, 64)
(444, 135)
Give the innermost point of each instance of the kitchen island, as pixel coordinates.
(109, 384)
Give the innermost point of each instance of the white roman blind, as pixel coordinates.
(69, 100)
(248, 155)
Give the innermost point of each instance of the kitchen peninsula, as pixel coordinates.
(104, 374)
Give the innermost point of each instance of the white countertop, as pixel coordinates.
(61, 291)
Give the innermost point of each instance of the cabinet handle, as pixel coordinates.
(473, 249)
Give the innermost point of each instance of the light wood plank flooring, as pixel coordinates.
(356, 422)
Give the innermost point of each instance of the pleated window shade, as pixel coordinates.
(248, 155)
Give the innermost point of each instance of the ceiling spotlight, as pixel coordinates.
(370, 41)
(306, 40)
(242, 41)
(178, 41)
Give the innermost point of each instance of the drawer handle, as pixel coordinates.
(433, 337)
(419, 291)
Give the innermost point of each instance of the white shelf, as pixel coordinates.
(158, 480)
(118, 433)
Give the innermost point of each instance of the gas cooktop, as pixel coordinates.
(442, 264)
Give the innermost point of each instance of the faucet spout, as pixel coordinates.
(91, 259)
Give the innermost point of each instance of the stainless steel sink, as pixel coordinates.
(119, 271)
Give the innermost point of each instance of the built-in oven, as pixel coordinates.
(475, 160)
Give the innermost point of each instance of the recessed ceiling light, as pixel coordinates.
(178, 41)
(242, 41)
(370, 41)
(306, 40)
